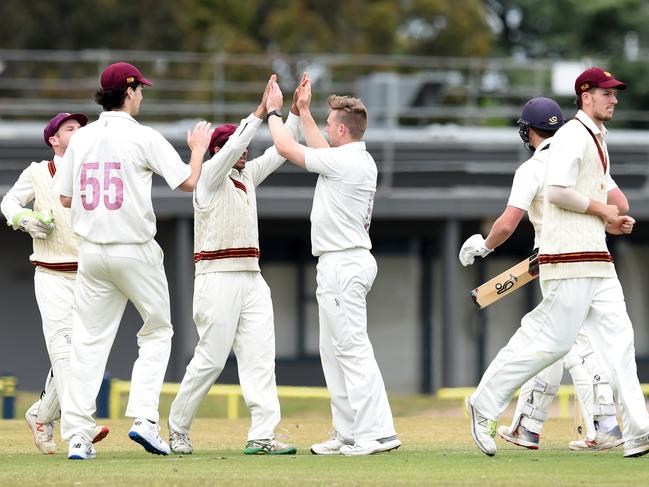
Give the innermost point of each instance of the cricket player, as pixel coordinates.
(340, 222)
(578, 278)
(56, 248)
(106, 179)
(232, 302)
(540, 119)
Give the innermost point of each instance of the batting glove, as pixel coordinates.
(472, 247)
(36, 224)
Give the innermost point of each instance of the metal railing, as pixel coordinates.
(397, 89)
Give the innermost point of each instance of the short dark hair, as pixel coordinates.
(578, 101)
(546, 134)
(114, 97)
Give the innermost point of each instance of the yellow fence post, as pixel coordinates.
(114, 399)
(233, 406)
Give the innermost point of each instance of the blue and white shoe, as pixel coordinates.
(80, 449)
(147, 434)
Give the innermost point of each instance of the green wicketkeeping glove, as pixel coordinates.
(35, 223)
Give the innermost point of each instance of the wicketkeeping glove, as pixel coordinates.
(35, 223)
(472, 247)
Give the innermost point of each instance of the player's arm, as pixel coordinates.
(284, 142)
(571, 200)
(264, 165)
(617, 197)
(312, 134)
(66, 201)
(18, 217)
(18, 197)
(504, 226)
(198, 140)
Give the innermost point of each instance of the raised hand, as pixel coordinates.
(304, 96)
(199, 137)
(260, 112)
(275, 98)
(294, 108)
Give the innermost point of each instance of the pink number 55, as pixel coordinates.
(90, 183)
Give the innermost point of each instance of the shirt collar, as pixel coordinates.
(358, 145)
(542, 145)
(581, 115)
(116, 115)
(57, 160)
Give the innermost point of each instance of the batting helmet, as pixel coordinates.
(539, 113)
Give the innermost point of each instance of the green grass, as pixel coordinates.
(437, 450)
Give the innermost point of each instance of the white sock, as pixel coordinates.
(606, 423)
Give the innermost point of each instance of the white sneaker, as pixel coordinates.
(101, 432)
(43, 433)
(370, 447)
(179, 443)
(521, 436)
(330, 447)
(603, 441)
(80, 449)
(637, 447)
(483, 429)
(269, 446)
(147, 434)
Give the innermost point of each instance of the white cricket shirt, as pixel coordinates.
(574, 244)
(528, 188)
(344, 197)
(107, 171)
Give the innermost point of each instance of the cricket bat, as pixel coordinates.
(507, 282)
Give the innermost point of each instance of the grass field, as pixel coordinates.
(437, 450)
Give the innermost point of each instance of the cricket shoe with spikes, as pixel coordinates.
(101, 431)
(179, 443)
(603, 441)
(43, 433)
(637, 447)
(521, 436)
(268, 447)
(80, 449)
(147, 434)
(483, 429)
(330, 447)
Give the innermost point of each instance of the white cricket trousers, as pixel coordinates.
(592, 389)
(359, 404)
(232, 310)
(55, 298)
(109, 276)
(549, 331)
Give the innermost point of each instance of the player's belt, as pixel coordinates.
(236, 253)
(57, 266)
(572, 257)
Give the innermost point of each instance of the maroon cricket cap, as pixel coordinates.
(220, 136)
(121, 74)
(53, 125)
(596, 78)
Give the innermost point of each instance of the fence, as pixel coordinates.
(231, 392)
(222, 87)
(8, 383)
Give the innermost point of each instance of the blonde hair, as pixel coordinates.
(351, 112)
